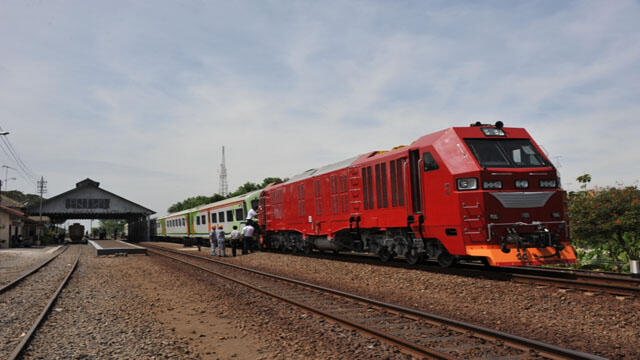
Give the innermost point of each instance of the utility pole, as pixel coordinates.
(224, 188)
(42, 189)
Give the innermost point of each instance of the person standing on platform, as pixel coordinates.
(247, 238)
(213, 240)
(235, 239)
(221, 241)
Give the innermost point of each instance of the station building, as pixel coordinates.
(14, 223)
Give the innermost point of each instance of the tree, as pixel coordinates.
(110, 225)
(270, 180)
(201, 200)
(29, 200)
(584, 180)
(193, 202)
(243, 189)
(607, 219)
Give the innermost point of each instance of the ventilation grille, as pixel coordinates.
(521, 200)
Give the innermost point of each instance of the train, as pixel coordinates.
(483, 193)
(76, 233)
(197, 222)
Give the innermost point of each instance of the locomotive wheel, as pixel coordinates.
(413, 257)
(307, 249)
(384, 255)
(485, 262)
(445, 259)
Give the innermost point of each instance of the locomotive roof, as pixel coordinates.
(323, 170)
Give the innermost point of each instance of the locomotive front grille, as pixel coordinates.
(522, 200)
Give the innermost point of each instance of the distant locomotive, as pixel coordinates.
(482, 192)
(76, 233)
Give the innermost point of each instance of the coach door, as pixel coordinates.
(414, 178)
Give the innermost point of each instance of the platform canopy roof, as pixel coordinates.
(88, 201)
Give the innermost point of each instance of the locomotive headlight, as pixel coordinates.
(492, 184)
(492, 132)
(522, 184)
(548, 183)
(467, 183)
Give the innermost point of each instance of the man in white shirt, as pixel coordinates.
(235, 239)
(252, 213)
(247, 238)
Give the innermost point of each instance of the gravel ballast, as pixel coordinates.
(15, 261)
(600, 324)
(21, 305)
(146, 307)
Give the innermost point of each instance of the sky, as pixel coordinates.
(141, 95)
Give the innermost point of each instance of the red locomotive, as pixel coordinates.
(482, 192)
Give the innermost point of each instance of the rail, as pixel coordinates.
(31, 270)
(17, 352)
(414, 331)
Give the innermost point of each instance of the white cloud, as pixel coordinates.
(141, 96)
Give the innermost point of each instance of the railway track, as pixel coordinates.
(32, 270)
(592, 281)
(28, 335)
(418, 333)
(584, 280)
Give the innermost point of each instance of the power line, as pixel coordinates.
(21, 173)
(9, 150)
(17, 158)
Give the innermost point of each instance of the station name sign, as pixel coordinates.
(87, 203)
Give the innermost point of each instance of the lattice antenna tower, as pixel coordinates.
(224, 187)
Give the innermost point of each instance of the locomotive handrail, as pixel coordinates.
(406, 188)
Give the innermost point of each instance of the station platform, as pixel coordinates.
(107, 247)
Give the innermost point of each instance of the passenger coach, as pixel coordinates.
(197, 222)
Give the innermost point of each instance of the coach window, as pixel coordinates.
(429, 162)
(221, 216)
(229, 215)
(214, 218)
(239, 214)
(197, 220)
(204, 219)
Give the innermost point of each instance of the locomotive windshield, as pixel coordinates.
(505, 153)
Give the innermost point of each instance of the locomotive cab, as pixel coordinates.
(512, 206)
